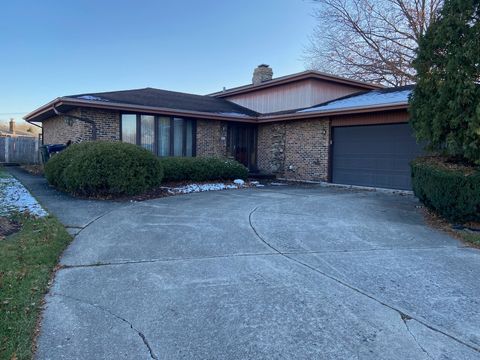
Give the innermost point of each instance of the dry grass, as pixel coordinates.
(469, 237)
(34, 169)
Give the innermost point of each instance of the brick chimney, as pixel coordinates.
(11, 125)
(261, 74)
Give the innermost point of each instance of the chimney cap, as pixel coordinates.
(264, 65)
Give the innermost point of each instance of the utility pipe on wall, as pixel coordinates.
(88, 121)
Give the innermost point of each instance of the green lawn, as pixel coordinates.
(27, 260)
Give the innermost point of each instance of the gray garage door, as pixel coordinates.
(374, 155)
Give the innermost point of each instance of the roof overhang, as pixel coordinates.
(64, 104)
(309, 74)
(328, 113)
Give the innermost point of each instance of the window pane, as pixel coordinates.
(147, 126)
(178, 136)
(163, 136)
(189, 144)
(129, 128)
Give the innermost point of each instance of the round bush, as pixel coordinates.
(102, 168)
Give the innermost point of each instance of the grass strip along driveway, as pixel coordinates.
(27, 261)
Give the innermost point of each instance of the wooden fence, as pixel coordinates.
(22, 150)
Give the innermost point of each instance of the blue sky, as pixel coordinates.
(53, 48)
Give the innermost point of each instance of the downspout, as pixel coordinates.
(41, 127)
(85, 120)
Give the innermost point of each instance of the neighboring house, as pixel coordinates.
(11, 130)
(306, 126)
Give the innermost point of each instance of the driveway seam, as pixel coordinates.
(159, 260)
(164, 260)
(98, 218)
(403, 314)
(140, 334)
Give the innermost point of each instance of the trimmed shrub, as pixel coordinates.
(102, 168)
(202, 169)
(452, 191)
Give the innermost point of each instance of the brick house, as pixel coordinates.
(306, 126)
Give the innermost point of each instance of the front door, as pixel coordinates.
(242, 144)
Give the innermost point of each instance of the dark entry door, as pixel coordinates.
(242, 144)
(374, 155)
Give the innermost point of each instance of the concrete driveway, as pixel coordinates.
(272, 273)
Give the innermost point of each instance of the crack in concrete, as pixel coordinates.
(402, 313)
(139, 333)
(406, 318)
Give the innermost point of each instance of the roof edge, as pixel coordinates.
(327, 113)
(130, 107)
(296, 77)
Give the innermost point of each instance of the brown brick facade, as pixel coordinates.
(211, 138)
(57, 131)
(295, 150)
(271, 148)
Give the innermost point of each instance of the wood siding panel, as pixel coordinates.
(384, 117)
(294, 95)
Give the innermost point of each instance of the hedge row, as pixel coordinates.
(104, 169)
(202, 169)
(453, 193)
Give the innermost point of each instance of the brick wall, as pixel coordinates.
(295, 150)
(211, 138)
(56, 130)
(271, 148)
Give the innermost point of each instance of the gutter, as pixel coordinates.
(326, 113)
(204, 115)
(135, 108)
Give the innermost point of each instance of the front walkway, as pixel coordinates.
(280, 272)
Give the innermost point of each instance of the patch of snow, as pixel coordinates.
(256, 183)
(239, 182)
(233, 114)
(14, 197)
(91, 97)
(277, 184)
(371, 98)
(191, 188)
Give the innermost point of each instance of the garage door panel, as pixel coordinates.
(374, 155)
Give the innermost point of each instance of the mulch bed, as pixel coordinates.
(7, 227)
(164, 190)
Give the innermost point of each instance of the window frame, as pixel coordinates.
(156, 135)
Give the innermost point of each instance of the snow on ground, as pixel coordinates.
(191, 188)
(201, 187)
(14, 197)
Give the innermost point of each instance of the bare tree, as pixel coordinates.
(369, 40)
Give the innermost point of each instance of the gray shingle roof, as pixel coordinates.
(168, 99)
